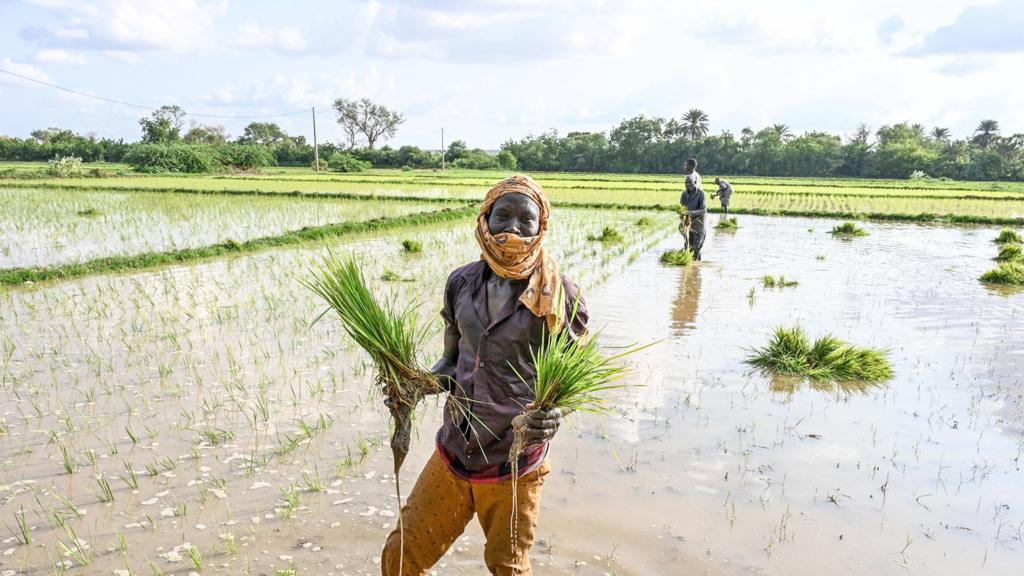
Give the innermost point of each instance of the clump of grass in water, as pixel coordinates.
(1008, 236)
(1010, 253)
(790, 352)
(89, 212)
(572, 374)
(772, 282)
(392, 339)
(848, 230)
(412, 246)
(681, 257)
(609, 235)
(644, 221)
(728, 224)
(390, 276)
(1007, 273)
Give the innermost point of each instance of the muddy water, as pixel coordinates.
(706, 467)
(702, 467)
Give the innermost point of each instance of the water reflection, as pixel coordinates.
(684, 307)
(790, 385)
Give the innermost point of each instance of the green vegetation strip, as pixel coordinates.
(16, 276)
(879, 216)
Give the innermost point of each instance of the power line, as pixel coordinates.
(140, 106)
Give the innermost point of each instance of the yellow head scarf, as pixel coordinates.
(518, 258)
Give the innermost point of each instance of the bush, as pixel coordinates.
(507, 160)
(64, 166)
(343, 162)
(245, 156)
(187, 159)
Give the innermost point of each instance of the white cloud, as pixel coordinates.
(58, 56)
(23, 69)
(253, 35)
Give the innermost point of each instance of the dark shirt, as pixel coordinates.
(489, 349)
(694, 201)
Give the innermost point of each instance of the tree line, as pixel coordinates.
(640, 144)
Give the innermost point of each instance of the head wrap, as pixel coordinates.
(523, 257)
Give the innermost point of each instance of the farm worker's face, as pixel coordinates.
(514, 214)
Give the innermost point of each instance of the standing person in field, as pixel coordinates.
(496, 310)
(724, 194)
(694, 202)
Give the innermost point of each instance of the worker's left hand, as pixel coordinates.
(541, 425)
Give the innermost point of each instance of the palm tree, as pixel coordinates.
(782, 130)
(695, 124)
(986, 131)
(940, 134)
(918, 130)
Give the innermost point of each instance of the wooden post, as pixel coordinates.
(316, 150)
(442, 149)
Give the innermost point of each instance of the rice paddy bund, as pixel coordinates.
(192, 417)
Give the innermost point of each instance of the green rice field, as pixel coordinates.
(168, 405)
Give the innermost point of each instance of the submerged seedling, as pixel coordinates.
(681, 257)
(848, 230)
(790, 352)
(1008, 236)
(781, 282)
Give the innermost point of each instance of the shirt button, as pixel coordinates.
(487, 332)
(481, 364)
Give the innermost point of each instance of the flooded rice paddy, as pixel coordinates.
(58, 227)
(189, 419)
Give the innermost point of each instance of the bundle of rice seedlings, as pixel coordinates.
(769, 281)
(1008, 236)
(1007, 273)
(609, 235)
(848, 230)
(644, 221)
(572, 375)
(728, 224)
(391, 338)
(790, 352)
(412, 246)
(677, 257)
(1010, 253)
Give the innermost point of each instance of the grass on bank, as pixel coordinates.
(790, 352)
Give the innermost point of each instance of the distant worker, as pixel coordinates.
(694, 202)
(724, 194)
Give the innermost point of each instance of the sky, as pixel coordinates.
(489, 70)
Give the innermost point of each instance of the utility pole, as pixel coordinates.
(316, 150)
(442, 149)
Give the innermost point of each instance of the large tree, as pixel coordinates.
(163, 125)
(265, 133)
(362, 117)
(200, 134)
(986, 131)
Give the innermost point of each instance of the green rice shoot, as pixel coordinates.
(1007, 274)
(769, 281)
(848, 230)
(790, 352)
(412, 246)
(609, 235)
(1008, 236)
(728, 224)
(681, 257)
(1010, 253)
(644, 221)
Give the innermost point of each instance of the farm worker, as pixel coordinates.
(695, 204)
(496, 310)
(724, 194)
